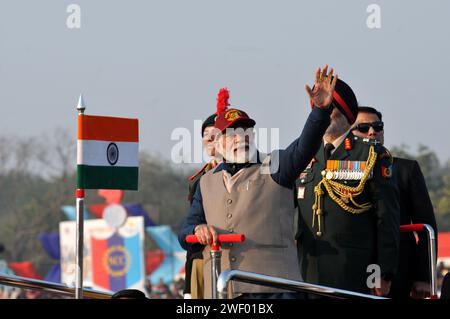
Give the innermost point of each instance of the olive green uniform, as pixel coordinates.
(194, 257)
(345, 238)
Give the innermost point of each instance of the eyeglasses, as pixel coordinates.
(365, 127)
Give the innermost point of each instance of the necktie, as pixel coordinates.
(327, 150)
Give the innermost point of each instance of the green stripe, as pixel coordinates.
(107, 177)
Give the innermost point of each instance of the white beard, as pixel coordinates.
(241, 155)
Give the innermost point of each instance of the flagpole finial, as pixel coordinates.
(81, 104)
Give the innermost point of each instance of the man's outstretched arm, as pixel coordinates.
(195, 216)
(289, 163)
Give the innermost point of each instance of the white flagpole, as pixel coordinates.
(79, 225)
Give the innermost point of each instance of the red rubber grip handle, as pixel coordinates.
(224, 238)
(412, 227)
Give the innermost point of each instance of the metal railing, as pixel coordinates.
(216, 255)
(269, 281)
(431, 238)
(263, 280)
(50, 287)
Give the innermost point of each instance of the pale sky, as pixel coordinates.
(164, 62)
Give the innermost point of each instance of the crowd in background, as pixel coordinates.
(174, 290)
(441, 271)
(163, 291)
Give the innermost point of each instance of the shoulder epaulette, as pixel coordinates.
(385, 154)
(198, 173)
(365, 140)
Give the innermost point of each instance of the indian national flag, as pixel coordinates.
(107, 153)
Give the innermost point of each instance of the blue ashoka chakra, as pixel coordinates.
(112, 153)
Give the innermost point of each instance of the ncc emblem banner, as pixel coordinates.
(116, 262)
(113, 258)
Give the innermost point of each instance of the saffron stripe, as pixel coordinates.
(107, 128)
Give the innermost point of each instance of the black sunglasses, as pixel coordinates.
(365, 127)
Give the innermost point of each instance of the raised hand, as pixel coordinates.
(322, 92)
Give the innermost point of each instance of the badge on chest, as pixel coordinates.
(301, 192)
(345, 170)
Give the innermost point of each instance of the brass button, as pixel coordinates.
(230, 215)
(229, 201)
(233, 259)
(302, 180)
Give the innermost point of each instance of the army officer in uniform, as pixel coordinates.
(348, 207)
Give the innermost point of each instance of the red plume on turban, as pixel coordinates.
(222, 100)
